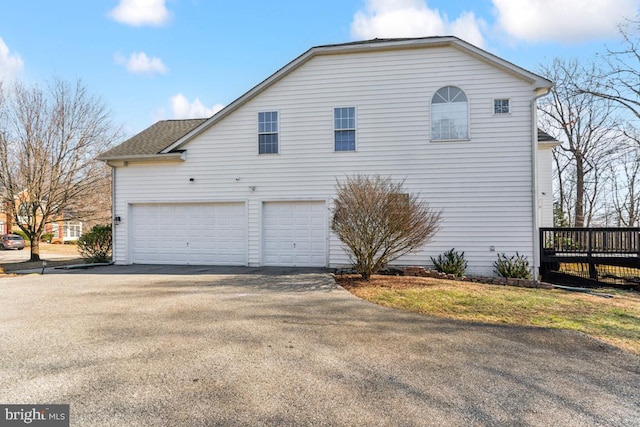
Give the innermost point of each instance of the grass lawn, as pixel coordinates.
(614, 320)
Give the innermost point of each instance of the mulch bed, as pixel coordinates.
(352, 281)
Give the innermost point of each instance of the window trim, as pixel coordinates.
(493, 106)
(72, 230)
(55, 230)
(277, 133)
(468, 116)
(354, 129)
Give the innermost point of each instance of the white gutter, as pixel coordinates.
(117, 161)
(113, 213)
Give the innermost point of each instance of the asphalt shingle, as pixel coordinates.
(154, 139)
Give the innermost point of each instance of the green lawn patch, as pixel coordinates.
(614, 320)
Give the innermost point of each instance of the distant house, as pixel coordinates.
(5, 218)
(62, 229)
(253, 185)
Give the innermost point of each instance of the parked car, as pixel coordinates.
(12, 241)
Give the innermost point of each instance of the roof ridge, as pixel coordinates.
(383, 40)
(182, 120)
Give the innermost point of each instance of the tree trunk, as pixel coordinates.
(579, 208)
(632, 206)
(35, 249)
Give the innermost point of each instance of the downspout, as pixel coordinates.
(113, 213)
(539, 92)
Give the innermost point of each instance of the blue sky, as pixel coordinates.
(162, 59)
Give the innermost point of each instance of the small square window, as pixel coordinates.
(501, 106)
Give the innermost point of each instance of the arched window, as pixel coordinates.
(449, 114)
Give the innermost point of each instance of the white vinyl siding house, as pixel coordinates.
(482, 183)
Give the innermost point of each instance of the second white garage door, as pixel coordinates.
(294, 234)
(195, 233)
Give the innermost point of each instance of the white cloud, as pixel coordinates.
(563, 20)
(141, 12)
(10, 63)
(140, 63)
(413, 18)
(183, 109)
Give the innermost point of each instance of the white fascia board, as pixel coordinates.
(541, 85)
(242, 100)
(144, 158)
(548, 144)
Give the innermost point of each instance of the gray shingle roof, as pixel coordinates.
(544, 137)
(154, 139)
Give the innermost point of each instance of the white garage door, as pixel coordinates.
(294, 234)
(197, 234)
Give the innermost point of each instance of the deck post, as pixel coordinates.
(593, 272)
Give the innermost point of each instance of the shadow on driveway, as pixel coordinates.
(203, 346)
(184, 270)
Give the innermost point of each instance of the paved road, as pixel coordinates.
(13, 256)
(136, 346)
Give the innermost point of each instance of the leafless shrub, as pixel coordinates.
(379, 222)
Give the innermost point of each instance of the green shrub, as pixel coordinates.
(21, 234)
(450, 262)
(46, 237)
(516, 266)
(95, 246)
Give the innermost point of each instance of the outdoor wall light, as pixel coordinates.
(252, 187)
(117, 220)
(191, 179)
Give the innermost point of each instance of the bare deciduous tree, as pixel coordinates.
(586, 124)
(379, 222)
(619, 81)
(625, 182)
(49, 139)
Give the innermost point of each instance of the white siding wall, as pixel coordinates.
(545, 186)
(482, 186)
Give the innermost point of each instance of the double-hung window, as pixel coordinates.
(268, 132)
(344, 128)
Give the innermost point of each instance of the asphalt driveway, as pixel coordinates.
(141, 346)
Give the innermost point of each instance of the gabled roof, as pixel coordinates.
(152, 140)
(539, 84)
